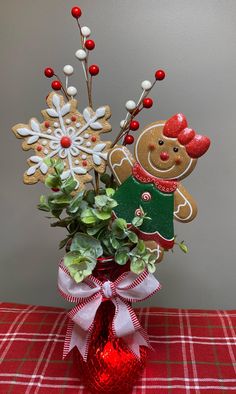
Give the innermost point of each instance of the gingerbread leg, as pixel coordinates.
(156, 249)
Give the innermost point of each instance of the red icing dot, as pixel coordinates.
(94, 139)
(84, 163)
(65, 142)
(47, 124)
(39, 148)
(73, 118)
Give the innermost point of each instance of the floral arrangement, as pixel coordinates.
(89, 179)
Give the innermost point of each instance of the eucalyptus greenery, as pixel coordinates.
(92, 230)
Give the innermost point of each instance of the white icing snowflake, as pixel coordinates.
(69, 135)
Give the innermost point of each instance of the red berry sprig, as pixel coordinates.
(134, 125)
(56, 85)
(160, 75)
(147, 102)
(93, 70)
(129, 139)
(76, 12)
(49, 72)
(89, 44)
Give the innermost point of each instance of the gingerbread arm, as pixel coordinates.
(185, 207)
(121, 163)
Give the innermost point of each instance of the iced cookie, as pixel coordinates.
(69, 135)
(165, 153)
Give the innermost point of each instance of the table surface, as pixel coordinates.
(194, 351)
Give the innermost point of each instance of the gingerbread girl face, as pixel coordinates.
(169, 150)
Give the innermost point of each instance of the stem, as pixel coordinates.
(62, 87)
(87, 78)
(96, 182)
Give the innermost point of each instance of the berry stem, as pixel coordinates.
(62, 87)
(85, 67)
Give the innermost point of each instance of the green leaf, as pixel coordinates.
(69, 185)
(106, 179)
(86, 244)
(88, 217)
(102, 215)
(110, 192)
(63, 243)
(60, 201)
(59, 167)
(141, 246)
(114, 242)
(101, 201)
(120, 223)
(75, 203)
(43, 207)
(132, 237)
(151, 266)
(137, 265)
(62, 223)
(137, 221)
(53, 181)
(79, 266)
(122, 256)
(183, 247)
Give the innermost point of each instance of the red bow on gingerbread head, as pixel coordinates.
(195, 144)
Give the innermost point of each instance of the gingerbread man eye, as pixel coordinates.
(160, 142)
(175, 149)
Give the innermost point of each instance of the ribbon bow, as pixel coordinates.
(195, 144)
(89, 295)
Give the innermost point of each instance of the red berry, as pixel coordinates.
(65, 142)
(89, 44)
(129, 139)
(76, 12)
(160, 75)
(134, 125)
(147, 102)
(56, 85)
(93, 69)
(55, 189)
(47, 124)
(49, 72)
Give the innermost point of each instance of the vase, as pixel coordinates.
(111, 367)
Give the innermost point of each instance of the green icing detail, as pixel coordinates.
(160, 208)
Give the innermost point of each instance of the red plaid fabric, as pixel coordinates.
(194, 351)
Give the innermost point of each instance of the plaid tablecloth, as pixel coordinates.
(195, 351)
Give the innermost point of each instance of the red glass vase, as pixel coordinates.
(111, 367)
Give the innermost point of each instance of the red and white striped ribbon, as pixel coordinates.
(89, 295)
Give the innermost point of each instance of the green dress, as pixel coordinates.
(134, 194)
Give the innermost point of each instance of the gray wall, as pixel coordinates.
(195, 42)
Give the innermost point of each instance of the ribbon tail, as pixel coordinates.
(137, 339)
(77, 337)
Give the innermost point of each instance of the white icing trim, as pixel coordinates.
(157, 250)
(126, 157)
(182, 205)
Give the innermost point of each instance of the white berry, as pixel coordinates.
(122, 123)
(146, 85)
(85, 31)
(68, 69)
(72, 91)
(130, 105)
(81, 54)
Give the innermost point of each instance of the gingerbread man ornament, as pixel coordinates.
(165, 153)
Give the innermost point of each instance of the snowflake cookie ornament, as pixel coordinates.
(69, 135)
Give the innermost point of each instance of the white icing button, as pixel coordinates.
(55, 124)
(44, 142)
(86, 135)
(68, 121)
(77, 125)
(146, 196)
(49, 131)
(84, 157)
(45, 151)
(88, 143)
(76, 161)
